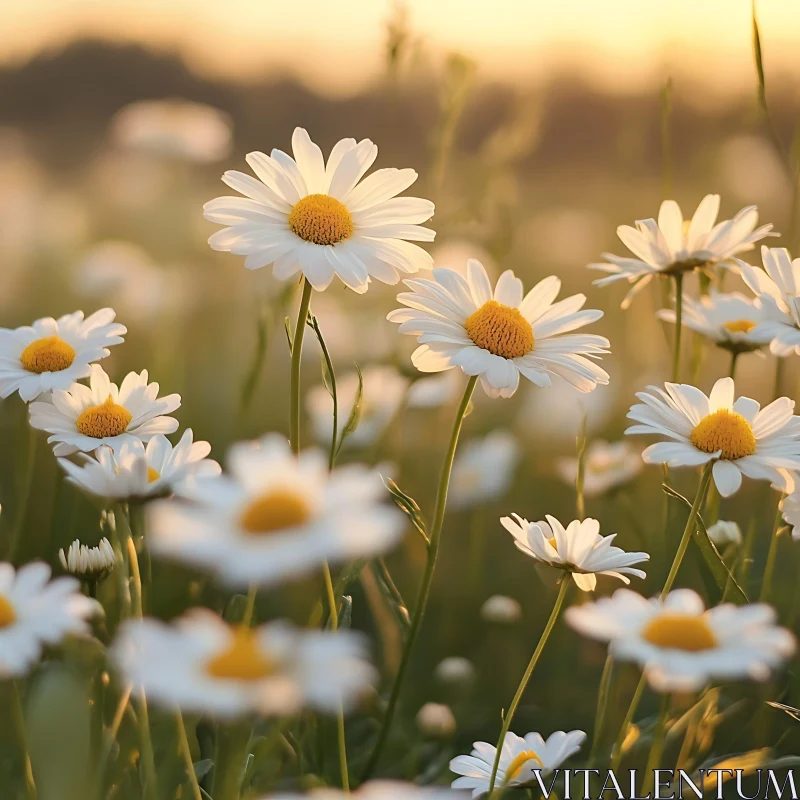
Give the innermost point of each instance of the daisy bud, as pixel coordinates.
(725, 532)
(455, 670)
(436, 720)
(88, 563)
(501, 609)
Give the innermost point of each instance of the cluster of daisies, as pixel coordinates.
(275, 514)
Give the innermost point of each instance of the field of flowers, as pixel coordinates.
(348, 477)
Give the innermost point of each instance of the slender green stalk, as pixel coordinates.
(427, 578)
(297, 351)
(657, 748)
(111, 737)
(780, 363)
(21, 513)
(250, 608)
(676, 356)
(772, 555)
(616, 756)
(602, 706)
(186, 752)
(734, 358)
(512, 710)
(233, 742)
(18, 721)
(580, 502)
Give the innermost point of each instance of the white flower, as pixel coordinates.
(83, 418)
(776, 287)
(136, 471)
(375, 790)
(732, 321)
(303, 215)
(275, 516)
(790, 508)
(54, 353)
(383, 392)
(605, 466)
(680, 645)
(200, 663)
(725, 532)
(174, 128)
(455, 669)
(434, 391)
(436, 720)
(740, 437)
(461, 322)
(519, 759)
(671, 245)
(579, 549)
(89, 563)
(501, 609)
(35, 611)
(483, 469)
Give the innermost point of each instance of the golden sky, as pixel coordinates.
(338, 45)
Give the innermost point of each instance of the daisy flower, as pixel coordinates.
(54, 353)
(139, 471)
(34, 612)
(436, 720)
(461, 322)
(790, 509)
(83, 418)
(375, 790)
(740, 437)
(520, 758)
(501, 609)
(672, 246)
(484, 469)
(201, 664)
(682, 646)
(275, 516)
(606, 466)
(88, 563)
(776, 287)
(303, 215)
(732, 321)
(725, 532)
(578, 549)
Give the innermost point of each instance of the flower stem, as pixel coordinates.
(427, 578)
(512, 710)
(580, 503)
(602, 707)
(249, 609)
(657, 748)
(297, 351)
(676, 356)
(780, 363)
(186, 752)
(734, 359)
(18, 718)
(772, 556)
(21, 513)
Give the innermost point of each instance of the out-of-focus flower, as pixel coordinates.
(383, 392)
(54, 353)
(499, 334)
(501, 609)
(579, 549)
(484, 469)
(455, 669)
(725, 532)
(34, 612)
(605, 466)
(670, 246)
(790, 508)
(83, 418)
(740, 437)
(202, 664)
(303, 215)
(681, 645)
(136, 471)
(88, 563)
(521, 757)
(777, 287)
(436, 720)
(275, 516)
(375, 790)
(435, 391)
(752, 169)
(174, 129)
(732, 321)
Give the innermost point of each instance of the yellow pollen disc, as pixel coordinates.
(501, 330)
(7, 614)
(739, 325)
(50, 354)
(108, 419)
(553, 543)
(152, 475)
(519, 761)
(274, 511)
(321, 219)
(727, 431)
(680, 632)
(242, 659)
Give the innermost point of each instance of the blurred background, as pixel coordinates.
(536, 128)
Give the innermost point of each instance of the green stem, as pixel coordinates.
(523, 684)
(427, 578)
(676, 356)
(249, 609)
(616, 756)
(580, 503)
(734, 358)
(657, 748)
(602, 707)
(772, 555)
(780, 363)
(297, 351)
(186, 752)
(21, 514)
(111, 737)
(18, 718)
(233, 742)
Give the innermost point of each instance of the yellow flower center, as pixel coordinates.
(739, 325)
(726, 431)
(501, 330)
(107, 419)
(50, 354)
(518, 762)
(553, 543)
(152, 475)
(274, 511)
(321, 219)
(680, 632)
(242, 660)
(7, 614)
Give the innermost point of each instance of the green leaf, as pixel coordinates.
(287, 326)
(409, 505)
(329, 380)
(718, 568)
(391, 594)
(794, 713)
(355, 414)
